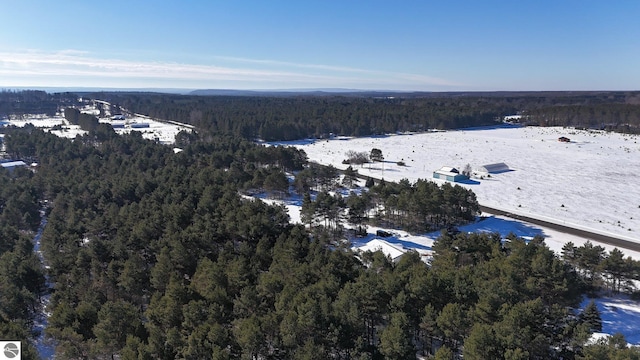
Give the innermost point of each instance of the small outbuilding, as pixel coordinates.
(449, 174)
(494, 168)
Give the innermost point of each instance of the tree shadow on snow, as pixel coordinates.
(505, 227)
(468, 182)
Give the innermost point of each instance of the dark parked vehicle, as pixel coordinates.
(383, 233)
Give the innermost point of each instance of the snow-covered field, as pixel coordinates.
(588, 183)
(162, 132)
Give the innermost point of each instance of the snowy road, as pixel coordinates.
(599, 238)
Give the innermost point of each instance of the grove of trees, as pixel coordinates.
(19, 103)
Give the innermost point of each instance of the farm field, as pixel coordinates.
(588, 182)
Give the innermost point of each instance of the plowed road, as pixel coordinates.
(604, 239)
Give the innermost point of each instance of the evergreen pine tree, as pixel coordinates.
(591, 316)
(308, 210)
(444, 353)
(369, 183)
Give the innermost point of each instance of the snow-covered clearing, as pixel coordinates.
(588, 183)
(163, 132)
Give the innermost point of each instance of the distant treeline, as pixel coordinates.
(278, 118)
(294, 117)
(614, 117)
(301, 115)
(33, 102)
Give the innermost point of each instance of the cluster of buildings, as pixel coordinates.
(452, 174)
(447, 173)
(119, 121)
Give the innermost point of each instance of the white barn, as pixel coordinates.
(449, 174)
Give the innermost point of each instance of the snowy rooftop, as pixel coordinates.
(394, 252)
(448, 171)
(13, 163)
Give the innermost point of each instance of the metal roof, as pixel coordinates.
(494, 168)
(13, 164)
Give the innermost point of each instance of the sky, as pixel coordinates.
(408, 45)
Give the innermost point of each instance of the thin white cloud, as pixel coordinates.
(296, 65)
(393, 75)
(69, 64)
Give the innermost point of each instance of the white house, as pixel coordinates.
(393, 251)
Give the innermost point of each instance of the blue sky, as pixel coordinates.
(354, 44)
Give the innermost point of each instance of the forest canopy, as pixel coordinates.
(274, 118)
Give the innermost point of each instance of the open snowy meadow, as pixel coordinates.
(589, 182)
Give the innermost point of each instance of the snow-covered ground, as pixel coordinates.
(545, 174)
(588, 183)
(422, 243)
(619, 315)
(163, 132)
(45, 347)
